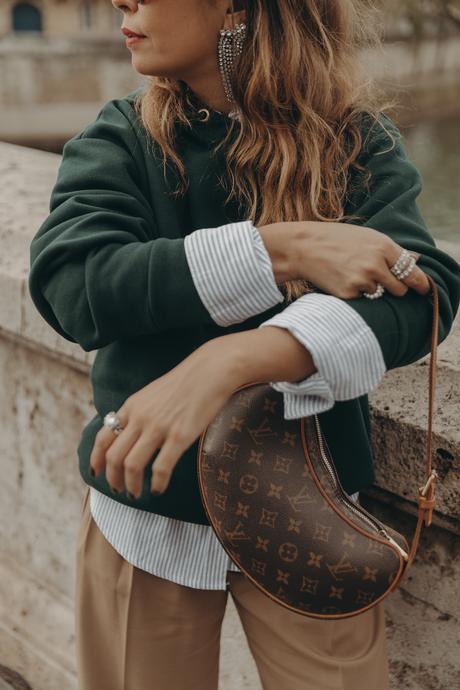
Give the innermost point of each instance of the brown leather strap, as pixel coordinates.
(426, 494)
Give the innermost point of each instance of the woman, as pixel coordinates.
(187, 293)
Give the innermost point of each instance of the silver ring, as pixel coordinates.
(112, 422)
(407, 270)
(375, 295)
(402, 263)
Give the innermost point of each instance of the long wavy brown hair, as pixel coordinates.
(302, 90)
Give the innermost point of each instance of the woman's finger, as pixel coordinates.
(102, 442)
(136, 460)
(116, 454)
(416, 279)
(386, 278)
(171, 450)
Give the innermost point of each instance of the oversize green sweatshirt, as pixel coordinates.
(108, 271)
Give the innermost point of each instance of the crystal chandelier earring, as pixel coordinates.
(229, 50)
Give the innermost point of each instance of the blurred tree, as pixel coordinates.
(420, 18)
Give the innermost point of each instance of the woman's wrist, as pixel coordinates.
(281, 242)
(286, 243)
(271, 353)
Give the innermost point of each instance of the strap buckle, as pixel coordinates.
(427, 503)
(423, 489)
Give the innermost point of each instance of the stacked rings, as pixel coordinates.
(403, 267)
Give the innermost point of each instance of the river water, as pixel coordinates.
(434, 147)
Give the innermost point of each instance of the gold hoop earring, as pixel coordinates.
(207, 114)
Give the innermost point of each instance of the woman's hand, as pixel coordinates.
(341, 259)
(169, 413)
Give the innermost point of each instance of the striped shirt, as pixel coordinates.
(233, 274)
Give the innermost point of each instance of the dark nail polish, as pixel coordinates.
(113, 490)
(130, 495)
(155, 492)
(92, 472)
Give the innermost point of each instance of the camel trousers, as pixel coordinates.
(137, 631)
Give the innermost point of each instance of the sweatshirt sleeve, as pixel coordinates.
(97, 271)
(402, 325)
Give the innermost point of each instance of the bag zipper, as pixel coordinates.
(361, 512)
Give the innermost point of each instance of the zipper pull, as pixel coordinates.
(395, 543)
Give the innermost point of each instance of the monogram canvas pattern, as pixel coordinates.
(276, 509)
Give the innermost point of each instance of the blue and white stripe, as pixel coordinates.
(233, 275)
(232, 271)
(344, 349)
(184, 552)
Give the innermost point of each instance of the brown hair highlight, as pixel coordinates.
(302, 91)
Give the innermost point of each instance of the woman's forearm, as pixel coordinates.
(267, 354)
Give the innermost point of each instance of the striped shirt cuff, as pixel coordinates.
(345, 351)
(232, 271)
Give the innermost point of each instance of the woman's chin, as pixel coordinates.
(142, 65)
(150, 68)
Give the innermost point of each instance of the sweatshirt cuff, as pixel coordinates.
(344, 349)
(232, 271)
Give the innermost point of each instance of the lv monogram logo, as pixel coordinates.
(282, 576)
(230, 450)
(309, 585)
(262, 543)
(294, 525)
(269, 405)
(281, 594)
(264, 430)
(242, 509)
(288, 552)
(249, 483)
(220, 500)
(237, 534)
(282, 464)
(275, 490)
(289, 438)
(364, 597)
(244, 399)
(258, 566)
(223, 476)
(268, 517)
(206, 465)
(300, 499)
(336, 592)
(342, 567)
(255, 457)
(237, 423)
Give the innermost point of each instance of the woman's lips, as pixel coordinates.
(134, 39)
(129, 34)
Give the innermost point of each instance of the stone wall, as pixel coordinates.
(46, 399)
